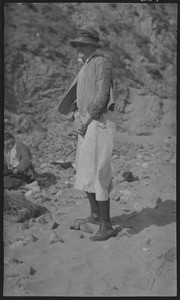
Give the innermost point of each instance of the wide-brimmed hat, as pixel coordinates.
(88, 35)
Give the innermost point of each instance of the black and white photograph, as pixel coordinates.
(89, 135)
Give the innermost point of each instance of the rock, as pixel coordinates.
(28, 193)
(148, 241)
(116, 198)
(128, 176)
(145, 165)
(126, 210)
(31, 185)
(137, 163)
(123, 232)
(145, 249)
(25, 225)
(31, 238)
(74, 225)
(115, 195)
(57, 195)
(64, 210)
(20, 238)
(140, 156)
(32, 271)
(54, 225)
(68, 184)
(81, 225)
(11, 261)
(86, 228)
(72, 236)
(118, 179)
(44, 165)
(42, 220)
(18, 244)
(24, 126)
(137, 207)
(125, 193)
(170, 255)
(30, 223)
(156, 200)
(7, 260)
(35, 189)
(54, 238)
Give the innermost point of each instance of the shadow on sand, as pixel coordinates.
(164, 213)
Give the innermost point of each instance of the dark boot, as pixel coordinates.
(106, 230)
(94, 217)
(104, 233)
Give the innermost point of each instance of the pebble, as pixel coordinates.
(145, 249)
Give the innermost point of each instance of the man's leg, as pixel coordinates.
(94, 217)
(11, 182)
(105, 230)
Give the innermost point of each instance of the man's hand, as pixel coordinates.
(79, 125)
(15, 171)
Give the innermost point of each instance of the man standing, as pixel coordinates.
(93, 91)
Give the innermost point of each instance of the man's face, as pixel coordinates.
(9, 144)
(84, 50)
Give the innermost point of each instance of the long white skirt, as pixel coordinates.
(93, 157)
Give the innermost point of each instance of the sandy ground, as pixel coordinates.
(45, 257)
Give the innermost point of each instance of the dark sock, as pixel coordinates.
(104, 207)
(93, 203)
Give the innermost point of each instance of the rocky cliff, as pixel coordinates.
(40, 64)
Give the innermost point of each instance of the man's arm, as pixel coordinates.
(102, 89)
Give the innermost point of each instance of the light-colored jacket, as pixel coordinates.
(101, 102)
(24, 165)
